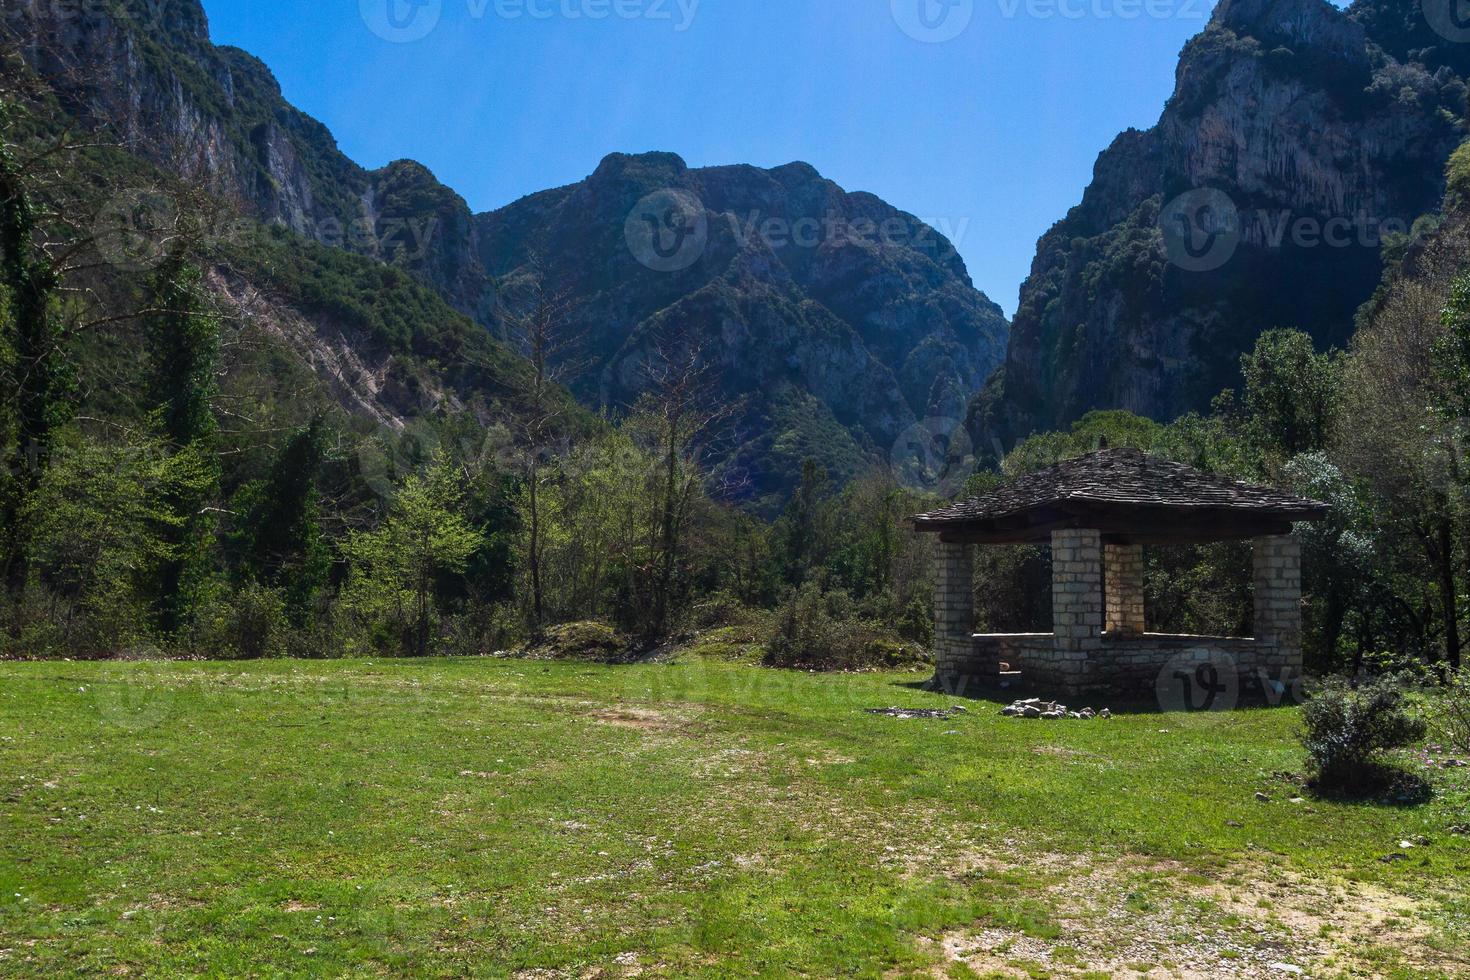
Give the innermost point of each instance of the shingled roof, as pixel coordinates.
(1126, 493)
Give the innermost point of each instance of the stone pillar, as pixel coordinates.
(1278, 581)
(954, 605)
(1123, 584)
(1076, 588)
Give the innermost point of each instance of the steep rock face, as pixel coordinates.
(145, 72)
(1292, 146)
(796, 292)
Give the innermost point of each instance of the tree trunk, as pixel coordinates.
(1449, 595)
(533, 556)
(666, 572)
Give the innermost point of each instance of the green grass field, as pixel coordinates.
(511, 818)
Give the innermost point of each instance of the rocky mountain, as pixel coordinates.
(836, 326)
(1301, 141)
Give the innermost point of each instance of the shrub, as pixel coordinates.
(582, 641)
(1452, 717)
(248, 624)
(814, 631)
(1346, 730)
(719, 610)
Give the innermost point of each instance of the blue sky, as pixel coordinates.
(991, 134)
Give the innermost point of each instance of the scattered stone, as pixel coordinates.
(1297, 800)
(1105, 714)
(1262, 798)
(1287, 968)
(1393, 858)
(909, 714)
(1460, 829)
(1050, 711)
(1234, 823)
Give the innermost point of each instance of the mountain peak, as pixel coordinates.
(622, 166)
(1314, 24)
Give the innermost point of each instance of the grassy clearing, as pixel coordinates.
(545, 819)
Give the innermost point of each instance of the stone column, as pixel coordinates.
(1123, 584)
(954, 605)
(1278, 580)
(1076, 588)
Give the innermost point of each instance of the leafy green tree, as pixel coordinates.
(36, 377)
(1337, 557)
(1289, 394)
(1403, 449)
(183, 351)
(92, 521)
(394, 569)
(800, 531)
(183, 346)
(278, 537)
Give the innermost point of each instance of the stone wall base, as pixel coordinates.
(1131, 669)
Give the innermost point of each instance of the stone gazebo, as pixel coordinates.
(1097, 512)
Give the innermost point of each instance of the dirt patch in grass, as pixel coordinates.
(1136, 916)
(640, 719)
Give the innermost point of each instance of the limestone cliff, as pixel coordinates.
(1293, 146)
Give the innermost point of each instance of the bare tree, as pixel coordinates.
(538, 323)
(680, 414)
